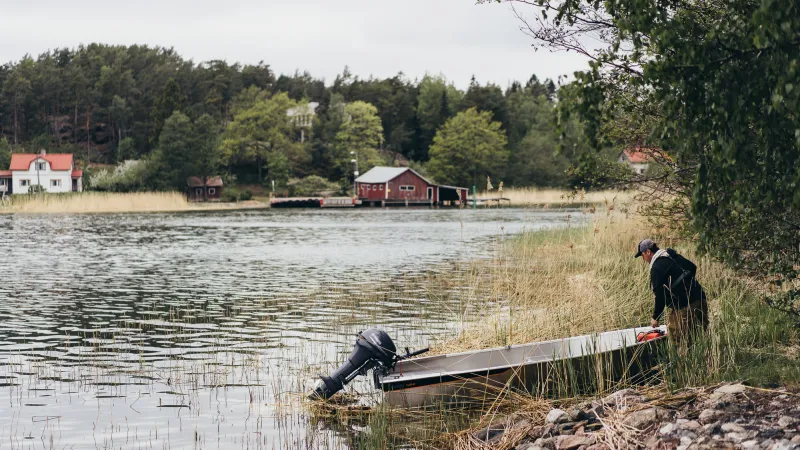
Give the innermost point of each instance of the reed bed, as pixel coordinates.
(108, 202)
(558, 197)
(582, 279)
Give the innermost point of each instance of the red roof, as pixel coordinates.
(58, 161)
(77, 173)
(637, 155)
(210, 182)
(5, 173)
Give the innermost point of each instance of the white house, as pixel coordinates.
(55, 173)
(303, 117)
(637, 159)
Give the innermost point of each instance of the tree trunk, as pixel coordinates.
(75, 126)
(15, 122)
(88, 137)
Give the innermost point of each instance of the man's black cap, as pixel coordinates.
(644, 244)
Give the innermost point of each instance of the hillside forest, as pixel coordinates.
(144, 118)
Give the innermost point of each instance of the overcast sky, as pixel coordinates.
(373, 37)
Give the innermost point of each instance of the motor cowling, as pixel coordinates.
(374, 348)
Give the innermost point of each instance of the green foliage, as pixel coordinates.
(36, 189)
(714, 85)
(360, 133)
(185, 149)
(467, 149)
(312, 185)
(129, 176)
(5, 154)
(171, 100)
(262, 136)
(486, 98)
(126, 150)
(437, 102)
(230, 194)
(110, 103)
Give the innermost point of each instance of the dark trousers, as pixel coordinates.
(684, 323)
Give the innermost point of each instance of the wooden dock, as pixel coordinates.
(489, 201)
(312, 202)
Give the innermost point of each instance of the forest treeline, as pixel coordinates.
(110, 104)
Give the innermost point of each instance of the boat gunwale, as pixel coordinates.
(403, 378)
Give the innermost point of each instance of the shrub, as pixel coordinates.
(312, 185)
(126, 177)
(246, 195)
(230, 195)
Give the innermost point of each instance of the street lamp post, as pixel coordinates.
(355, 173)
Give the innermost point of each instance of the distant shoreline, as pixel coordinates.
(161, 202)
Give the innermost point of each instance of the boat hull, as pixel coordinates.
(553, 368)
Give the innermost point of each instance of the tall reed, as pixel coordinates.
(552, 197)
(106, 202)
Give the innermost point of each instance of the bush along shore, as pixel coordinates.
(581, 279)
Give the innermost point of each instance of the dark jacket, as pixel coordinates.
(667, 286)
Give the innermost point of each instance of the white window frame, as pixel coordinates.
(55, 183)
(24, 183)
(369, 187)
(212, 191)
(381, 187)
(2, 181)
(41, 166)
(407, 187)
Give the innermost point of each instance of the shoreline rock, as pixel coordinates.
(725, 416)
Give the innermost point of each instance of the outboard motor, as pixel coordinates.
(374, 349)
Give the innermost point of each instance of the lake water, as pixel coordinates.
(204, 330)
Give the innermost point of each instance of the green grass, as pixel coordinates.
(566, 282)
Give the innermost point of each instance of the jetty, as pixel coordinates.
(313, 202)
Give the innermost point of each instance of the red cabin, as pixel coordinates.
(402, 185)
(199, 193)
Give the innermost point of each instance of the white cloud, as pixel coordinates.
(373, 37)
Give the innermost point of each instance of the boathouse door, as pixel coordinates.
(430, 193)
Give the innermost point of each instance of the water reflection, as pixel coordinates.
(199, 330)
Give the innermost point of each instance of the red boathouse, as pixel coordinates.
(212, 191)
(382, 186)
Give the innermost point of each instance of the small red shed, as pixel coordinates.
(210, 192)
(403, 185)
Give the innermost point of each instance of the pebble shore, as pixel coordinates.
(731, 416)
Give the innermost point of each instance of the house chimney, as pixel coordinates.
(42, 152)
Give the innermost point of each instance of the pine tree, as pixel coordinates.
(171, 100)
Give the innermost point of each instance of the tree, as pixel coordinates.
(206, 156)
(716, 86)
(5, 153)
(186, 149)
(17, 87)
(533, 143)
(467, 149)
(360, 133)
(437, 102)
(171, 100)
(172, 157)
(120, 114)
(261, 130)
(126, 150)
(486, 98)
